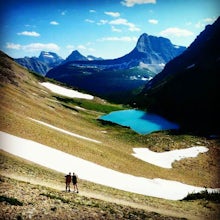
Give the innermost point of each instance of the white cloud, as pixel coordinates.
(131, 3)
(199, 25)
(119, 21)
(54, 23)
(114, 29)
(29, 33)
(177, 32)
(125, 39)
(63, 12)
(81, 47)
(70, 47)
(132, 27)
(210, 20)
(113, 14)
(91, 49)
(92, 11)
(102, 22)
(89, 21)
(122, 21)
(13, 46)
(33, 47)
(153, 21)
(204, 22)
(40, 46)
(188, 23)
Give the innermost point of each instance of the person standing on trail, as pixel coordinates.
(68, 181)
(74, 181)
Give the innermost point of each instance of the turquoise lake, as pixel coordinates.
(139, 121)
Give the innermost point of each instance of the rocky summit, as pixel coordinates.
(75, 56)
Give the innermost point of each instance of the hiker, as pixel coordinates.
(68, 181)
(74, 181)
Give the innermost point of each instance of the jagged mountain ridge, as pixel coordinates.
(109, 78)
(187, 90)
(49, 60)
(41, 64)
(150, 50)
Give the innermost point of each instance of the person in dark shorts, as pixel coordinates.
(74, 181)
(68, 181)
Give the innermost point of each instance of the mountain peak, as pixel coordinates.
(49, 57)
(75, 52)
(147, 43)
(75, 56)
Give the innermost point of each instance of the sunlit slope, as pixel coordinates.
(22, 98)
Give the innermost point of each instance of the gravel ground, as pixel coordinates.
(21, 200)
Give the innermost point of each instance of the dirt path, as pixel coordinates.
(103, 197)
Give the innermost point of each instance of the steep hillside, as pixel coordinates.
(33, 64)
(187, 90)
(23, 98)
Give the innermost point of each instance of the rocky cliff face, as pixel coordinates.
(157, 49)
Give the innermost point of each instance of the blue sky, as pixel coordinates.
(103, 28)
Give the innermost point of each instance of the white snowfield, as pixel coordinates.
(66, 92)
(165, 159)
(63, 162)
(66, 132)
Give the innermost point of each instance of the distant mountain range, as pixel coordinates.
(188, 89)
(41, 64)
(49, 60)
(117, 79)
(150, 52)
(153, 52)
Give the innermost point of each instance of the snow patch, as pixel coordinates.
(138, 78)
(48, 55)
(63, 162)
(66, 92)
(161, 64)
(190, 66)
(143, 65)
(65, 132)
(165, 159)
